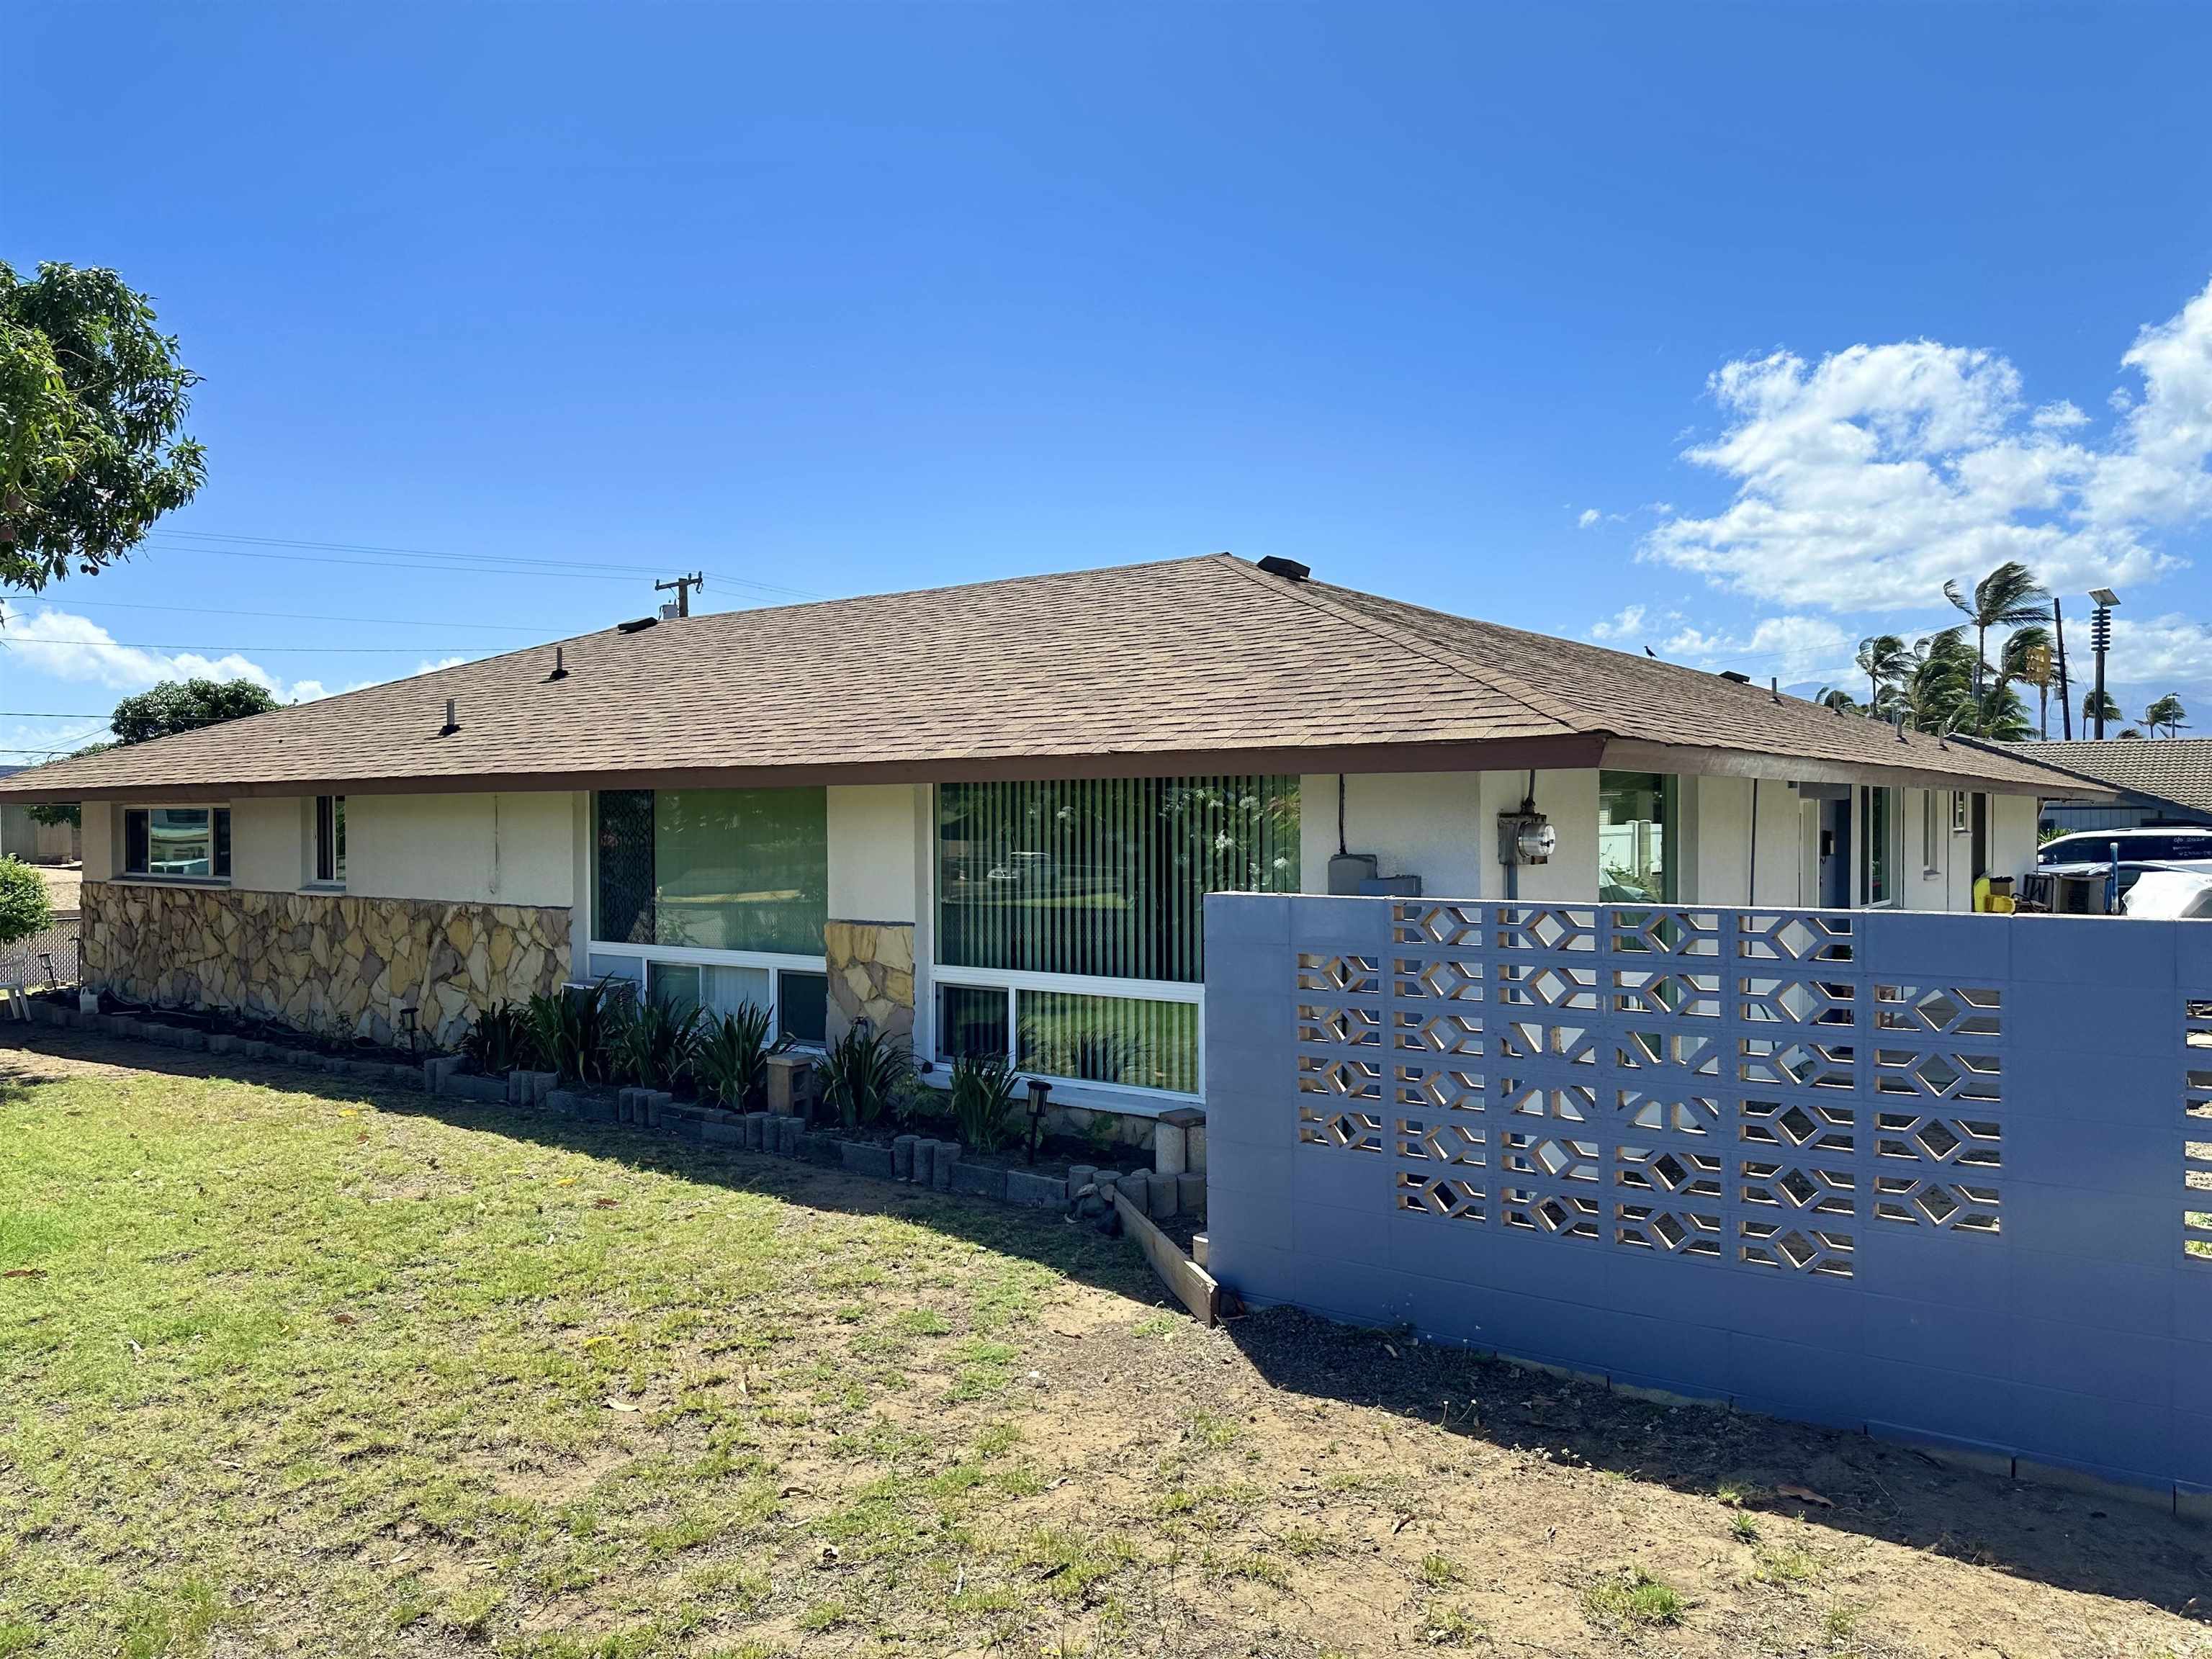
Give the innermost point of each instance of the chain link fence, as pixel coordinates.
(48, 959)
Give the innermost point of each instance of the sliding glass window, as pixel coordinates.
(1042, 886)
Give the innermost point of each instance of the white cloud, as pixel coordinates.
(68, 646)
(1590, 516)
(1864, 481)
(1792, 648)
(1628, 622)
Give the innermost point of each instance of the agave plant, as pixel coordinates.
(861, 1072)
(500, 1039)
(731, 1061)
(982, 1100)
(572, 1032)
(653, 1047)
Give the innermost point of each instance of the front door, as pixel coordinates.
(1836, 854)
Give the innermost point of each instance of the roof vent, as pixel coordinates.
(560, 664)
(453, 720)
(636, 627)
(1289, 569)
(1730, 674)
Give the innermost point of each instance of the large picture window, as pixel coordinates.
(177, 843)
(744, 870)
(1637, 820)
(1069, 916)
(1104, 876)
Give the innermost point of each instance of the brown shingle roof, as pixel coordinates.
(1205, 659)
(2177, 770)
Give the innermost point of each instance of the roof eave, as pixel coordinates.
(1919, 769)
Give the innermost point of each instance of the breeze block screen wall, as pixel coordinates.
(1945, 1178)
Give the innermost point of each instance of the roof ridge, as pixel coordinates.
(1315, 595)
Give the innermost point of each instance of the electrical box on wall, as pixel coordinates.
(1356, 875)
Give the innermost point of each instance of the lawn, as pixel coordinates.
(292, 1370)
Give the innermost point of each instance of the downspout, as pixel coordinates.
(1751, 882)
(1341, 849)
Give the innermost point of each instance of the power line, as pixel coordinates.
(613, 572)
(225, 650)
(76, 604)
(44, 714)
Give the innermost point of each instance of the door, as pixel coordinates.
(1836, 854)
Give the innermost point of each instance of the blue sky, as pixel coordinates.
(1730, 330)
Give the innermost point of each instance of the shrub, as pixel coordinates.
(654, 1045)
(25, 908)
(572, 1030)
(982, 1099)
(500, 1039)
(916, 1104)
(731, 1063)
(860, 1073)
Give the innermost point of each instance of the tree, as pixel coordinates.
(1885, 661)
(91, 396)
(1937, 691)
(176, 706)
(2008, 596)
(2013, 665)
(25, 907)
(2167, 712)
(2090, 706)
(172, 705)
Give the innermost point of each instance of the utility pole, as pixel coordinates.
(2066, 684)
(2101, 640)
(683, 587)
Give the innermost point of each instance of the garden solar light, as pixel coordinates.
(1038, 1090)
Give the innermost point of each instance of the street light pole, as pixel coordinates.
(2100, 639)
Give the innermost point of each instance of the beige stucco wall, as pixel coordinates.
(269, 838)
(1443, 827)
(103, 838)
(504, 848)
(873, 863)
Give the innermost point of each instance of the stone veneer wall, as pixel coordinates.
(320, 962)
(871, 977)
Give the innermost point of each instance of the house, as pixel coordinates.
(980, 816)
(2160, 780)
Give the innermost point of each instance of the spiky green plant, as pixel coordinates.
(982, 1100)
(860, 1073)
(731, 1061)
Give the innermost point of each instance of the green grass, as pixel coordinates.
(1783, 1565)
(1633, 1596)
(295, 1370)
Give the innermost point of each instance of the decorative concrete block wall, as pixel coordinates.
(871, 977)
(1943, 1177)
(319, 962)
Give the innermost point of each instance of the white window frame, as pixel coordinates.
(1131, 1098)
(1931, 838)
(691, 955)
(1961, 823)
(153, 878)
(335, 881)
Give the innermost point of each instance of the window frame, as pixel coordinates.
(1931, 837)
(1960, 822)
(1891, 848)
(329, 850)
(220, 851)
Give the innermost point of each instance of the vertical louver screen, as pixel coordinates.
(1106, 876)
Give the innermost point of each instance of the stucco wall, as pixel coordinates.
(1443, 827)
(269, 842)
(872, 874)
(505, 848)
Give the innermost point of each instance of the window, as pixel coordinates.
(1097, 879)
(1639, 819)
(1931, 837)
(741, 870)
(1877, 826)
(330, 839)
(1104, 876)
(1959, 813)
(177, 843)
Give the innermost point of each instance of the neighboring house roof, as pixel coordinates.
(2178, 771)
(1194, 665)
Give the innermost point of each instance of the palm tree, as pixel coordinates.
(1834, 697)
(2167, 712)
(1937, 691)
(1885, 661)
(2089, 707)
(2008, 596)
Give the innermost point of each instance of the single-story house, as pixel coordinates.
(984, 815)
(2160, 780)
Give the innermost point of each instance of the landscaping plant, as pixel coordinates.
(983, 1099)
(502, 1039)
(861, 1072)
(25, 908)
(653, 1044)
(573, 1031)
(731, 1063)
